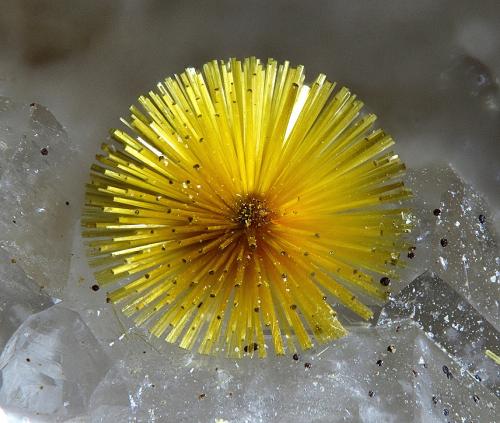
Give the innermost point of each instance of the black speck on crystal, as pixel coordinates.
(482, 218)
(447, 372)
(444, 242)
(436, 212)
(385, 281)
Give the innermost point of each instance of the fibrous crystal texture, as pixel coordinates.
(238, 202)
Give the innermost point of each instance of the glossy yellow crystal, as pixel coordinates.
(238, 201)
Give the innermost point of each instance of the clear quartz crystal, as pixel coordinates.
(51, 365)
(20, 297)
(459, 244)
(342, 381)
(452, 323)
(36, 167)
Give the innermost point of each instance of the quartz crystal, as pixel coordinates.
(51, 365)
(20, 297)
(454, 237)
(451, 321)
(38, 204)
(392, 374)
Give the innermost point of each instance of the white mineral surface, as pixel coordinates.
(68, 70)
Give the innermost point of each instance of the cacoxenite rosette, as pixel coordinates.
(238, 201)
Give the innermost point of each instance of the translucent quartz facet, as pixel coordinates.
(51, 365)
(20, 297)
(38, 210)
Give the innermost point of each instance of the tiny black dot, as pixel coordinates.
(475, 398)
(447, 372)
(436, 212)
(391, 348)
(385, 281)
(44, 151)
(370, 393)
(28, 360)
(411, 254)
(295, 357)
(307, 365)
(482, 218)
(379, 362)
(95, 287)
(67, 203)
(444, 242)
(253, 347)
(446, 412)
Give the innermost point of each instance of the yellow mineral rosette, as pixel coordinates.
(238, 203)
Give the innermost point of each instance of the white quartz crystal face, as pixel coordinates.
(454, 236)
(20, 297)
(51, 365)
(391, 374)
(38, 202)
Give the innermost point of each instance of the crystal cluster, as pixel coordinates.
(78, 360)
